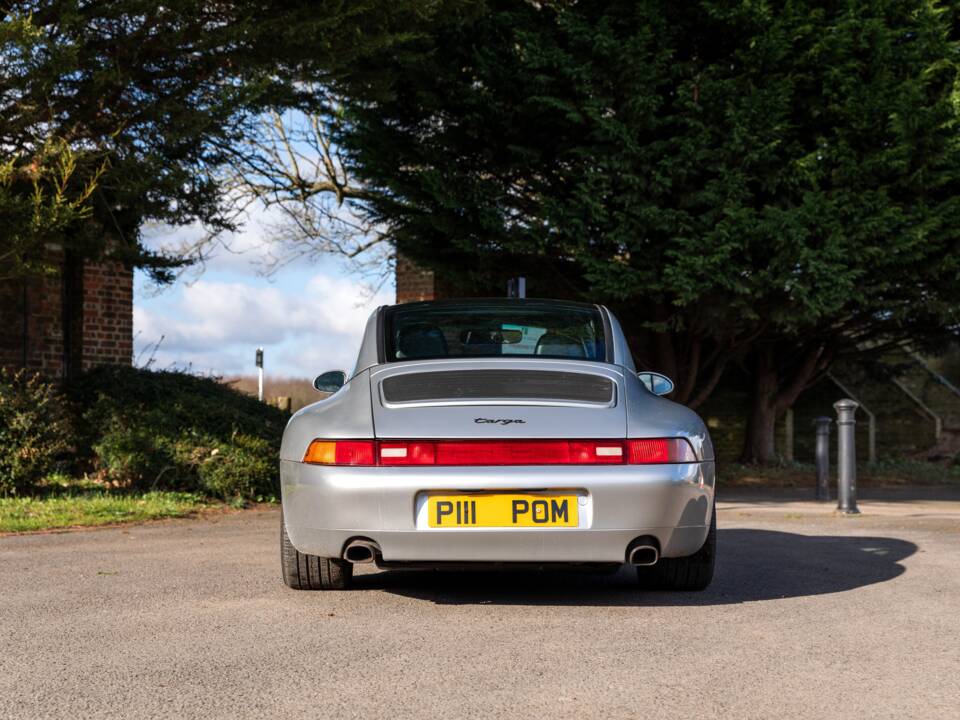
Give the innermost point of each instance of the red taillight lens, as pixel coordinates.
(502, 453)
(643, 452)
(529, 452)
(511, 452)
(341, 452)
(499, 452)
(356, 453)
(408, 453)
(650, 451)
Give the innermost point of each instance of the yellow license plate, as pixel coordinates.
(514, 510)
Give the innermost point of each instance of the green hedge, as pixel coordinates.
(141, 430)
(35, 433)
(172, 430)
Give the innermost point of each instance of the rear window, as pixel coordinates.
(507, 328)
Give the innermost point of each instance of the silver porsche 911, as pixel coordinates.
(494, 432)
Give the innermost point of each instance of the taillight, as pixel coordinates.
(407, 453)
(395, 453)
(650, 451)
(498, 452)
(341, 452)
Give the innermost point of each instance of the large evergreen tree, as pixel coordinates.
(772, 184)
(115, 113)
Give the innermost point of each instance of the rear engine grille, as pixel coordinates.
(498, 385)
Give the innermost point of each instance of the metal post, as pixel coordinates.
(846, 456)
(871, 419)
(823, 457)
(259, 361)
(517, 287)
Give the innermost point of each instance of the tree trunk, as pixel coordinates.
(71, 295)
(774, 392)
(759, 446)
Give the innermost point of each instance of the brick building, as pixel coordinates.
(415, 284)
(75, 319)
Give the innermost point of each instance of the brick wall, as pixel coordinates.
(44, 326)
(413, 283)
(77, 318)
(107, 314)
(31, 333)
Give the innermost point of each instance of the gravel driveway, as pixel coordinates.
(810, 615)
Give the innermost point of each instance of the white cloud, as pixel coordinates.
(259, 248)
(305, 327)
(247, 252)
(309, 316)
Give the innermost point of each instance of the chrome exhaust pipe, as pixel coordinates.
(361, 551)
(644, 555)
(643, 552)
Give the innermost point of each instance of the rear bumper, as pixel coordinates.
(324, 507)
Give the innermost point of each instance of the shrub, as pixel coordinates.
(246, 467)
(175, 431)
(34, 431)
(131, 454)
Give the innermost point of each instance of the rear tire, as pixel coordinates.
(311, 572)
(691, 573)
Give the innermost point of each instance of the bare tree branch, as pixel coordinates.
(288, 166)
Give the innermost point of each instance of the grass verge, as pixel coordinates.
(88, 507)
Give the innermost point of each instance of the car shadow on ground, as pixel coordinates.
(752, 565)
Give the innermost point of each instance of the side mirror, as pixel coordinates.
(330, 382)
(656, 383)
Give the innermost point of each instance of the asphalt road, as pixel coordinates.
(810, 616)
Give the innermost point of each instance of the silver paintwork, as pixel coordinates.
(651, 416)
(621, 350)
(344, 415)
(326, 507)
(367, 357)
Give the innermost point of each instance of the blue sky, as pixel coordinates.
(308, 316)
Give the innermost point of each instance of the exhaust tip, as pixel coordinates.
(361, 551)
(644, 555)
(643, 551)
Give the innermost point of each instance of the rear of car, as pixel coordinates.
(495, 432)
